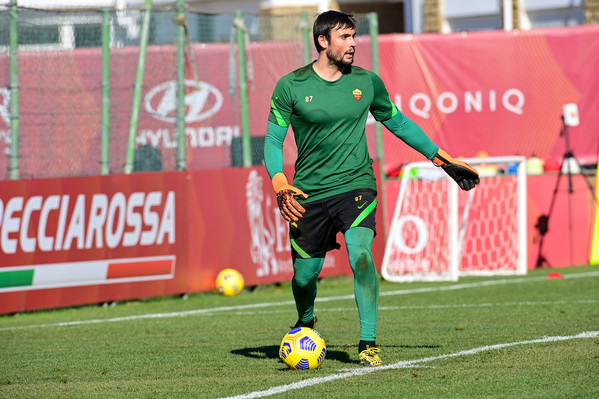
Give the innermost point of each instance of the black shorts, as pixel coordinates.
(316, 233)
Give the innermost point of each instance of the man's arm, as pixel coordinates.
(273, 148)
(386, 112)
(291, 210)
(403, 127)
(411, 134)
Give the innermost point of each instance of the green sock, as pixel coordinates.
(366, 279)
(303, 285)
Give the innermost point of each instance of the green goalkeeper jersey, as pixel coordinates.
(328, 120)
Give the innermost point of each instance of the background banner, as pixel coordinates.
(498, 92)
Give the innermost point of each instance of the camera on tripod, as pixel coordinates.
(569, 165)
(570, 115)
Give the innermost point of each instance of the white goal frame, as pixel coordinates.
(441, 244)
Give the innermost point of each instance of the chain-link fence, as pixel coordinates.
(97, 91)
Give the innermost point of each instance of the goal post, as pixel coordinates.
(439, 232)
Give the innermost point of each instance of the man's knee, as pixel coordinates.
(304, 280)
(359, 248)
(360, 257)
(306, 271)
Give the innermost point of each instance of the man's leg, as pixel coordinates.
(305, 275)
(366, 287)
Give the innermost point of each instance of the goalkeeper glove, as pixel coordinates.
(463, 174)
(291, 210)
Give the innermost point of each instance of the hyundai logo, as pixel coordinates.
(203, 102)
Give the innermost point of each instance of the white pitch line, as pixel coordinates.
(287, 303)
(402, 364)
(430, 307)
(153, 315)
(485, 284)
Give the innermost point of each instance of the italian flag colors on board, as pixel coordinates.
(59, 275)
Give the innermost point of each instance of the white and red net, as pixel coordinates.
(439, 232)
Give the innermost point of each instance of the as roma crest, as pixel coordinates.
(357, 94)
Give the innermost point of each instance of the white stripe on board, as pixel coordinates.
(67, 274)
(358, 371)
(84, 273)
(288, 303)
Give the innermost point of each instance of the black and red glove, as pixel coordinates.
(463, 174)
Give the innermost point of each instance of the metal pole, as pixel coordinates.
(141, 64)
(105, 162)
(374, 42)
(508, 17)
(243, 90)
(181, 33)
(306, 37)
(408, 18)
(14, 92)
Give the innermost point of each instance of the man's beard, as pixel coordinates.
(339, 62)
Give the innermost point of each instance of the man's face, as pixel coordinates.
(341, 48)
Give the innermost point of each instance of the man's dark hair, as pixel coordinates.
(329, 20)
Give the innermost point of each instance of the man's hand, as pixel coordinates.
(291, 210)
(463, 174)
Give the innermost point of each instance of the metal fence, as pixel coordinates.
(86, 92)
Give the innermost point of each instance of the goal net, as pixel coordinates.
(439, 232)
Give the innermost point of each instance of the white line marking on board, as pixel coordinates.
(402, 364)
(288, 303)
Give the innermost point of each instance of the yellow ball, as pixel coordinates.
(302, 349)
(229, 282)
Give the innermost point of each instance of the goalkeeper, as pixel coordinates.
(334, 188)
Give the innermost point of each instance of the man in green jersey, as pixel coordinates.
(334, 188)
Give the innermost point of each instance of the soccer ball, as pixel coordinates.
(302, 349)
(229, 282)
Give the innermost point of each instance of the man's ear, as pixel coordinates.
(324, 43)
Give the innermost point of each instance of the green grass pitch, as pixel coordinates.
(500, 337)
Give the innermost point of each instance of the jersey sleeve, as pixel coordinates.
(385, 111)
(273, 148)
(281, 105)
(411, 134)
(382, 108)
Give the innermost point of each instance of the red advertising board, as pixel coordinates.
(76, 240)
(71, 241)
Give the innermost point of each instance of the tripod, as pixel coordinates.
(543, 221)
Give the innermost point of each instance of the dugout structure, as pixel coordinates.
(439, 232)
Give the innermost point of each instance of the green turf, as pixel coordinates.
(204, 347)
